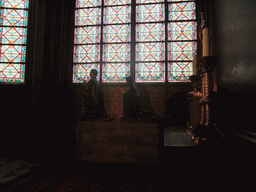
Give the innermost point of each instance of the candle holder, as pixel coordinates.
(205, 131)
(196, 82)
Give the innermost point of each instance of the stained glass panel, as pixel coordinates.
(87, 3)
(116, 52)
(115, 72)
(22, 4)
(181, 50)
(182, 31)
(150, 72)
(13, 17)
(81, 72)
(149, 1)
(87, 53)
(150, 51)
(150, 32)
(88, 16)
(116, 33)
(117, 14)
(13, 35)
(117, 2)
(12, 72)
(150, 13)
(182, 11)
(11, 53)
(149, 44)
(85, 35)
(179, 71)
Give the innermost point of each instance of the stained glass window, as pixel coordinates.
(115, 72)
(154, 40)
(150, 72)
(182, 40)
(150, 41)
(182, 11)
(149, 1)
(102, 40)
(150, 13)
(150, 32)
(13, 39)
(87, 3)
(150, 51)
(179, 71)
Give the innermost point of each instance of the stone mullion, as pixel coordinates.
(133, 39)
(101, 40)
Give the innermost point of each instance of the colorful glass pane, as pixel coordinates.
(150, 32)
(115, 72)
(150, 72)
(22, 4)
(150, 13)
(116, 52)
(182, 11)
(85, 35)
(179, 71)
(81, 72)
(149, 1)
(117, 14)
(117, 2)
(87, 53)
(13, 35)
(116, 33)
(11, 53)
(13, 17)
(12, 72)
(182, 31)
(88, 16)
(87, 3)
(150, 51)
(181, 50)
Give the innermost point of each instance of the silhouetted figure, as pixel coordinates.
(131, 100)
(94, 97)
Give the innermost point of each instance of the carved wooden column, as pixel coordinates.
(193, 99)
(205, 130)
(207, 64)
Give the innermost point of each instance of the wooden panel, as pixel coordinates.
(114, 101)
(195, 112)
(115, 142)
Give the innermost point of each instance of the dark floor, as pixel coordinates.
(183, 166)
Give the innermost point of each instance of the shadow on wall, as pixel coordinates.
(54, 123)
(15, 125)
(177, 108)
(236, 110)
(146, 106)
